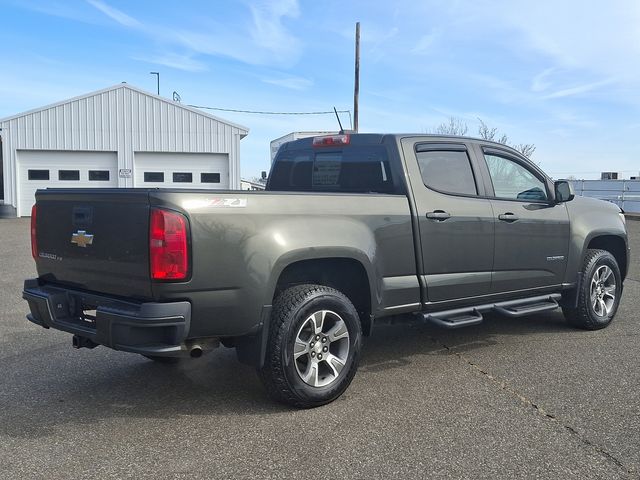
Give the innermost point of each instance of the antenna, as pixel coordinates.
(339, 122)
(356, 85)
(177, 97)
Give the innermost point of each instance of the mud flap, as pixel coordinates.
(251, 349)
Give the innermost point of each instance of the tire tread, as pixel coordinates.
(580, 316)
(272, 374)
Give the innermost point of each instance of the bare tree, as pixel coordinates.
(455, 126)
(491, 134)
(525, 149)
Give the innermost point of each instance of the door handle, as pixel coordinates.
(439, 215)
(508, 217)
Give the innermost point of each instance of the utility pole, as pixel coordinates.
(157, 74)
(356, 89)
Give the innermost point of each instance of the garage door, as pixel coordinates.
(181, 170)
(56, 169)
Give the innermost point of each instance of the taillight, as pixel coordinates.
(34, 240)
(168, 253)
(331, 140)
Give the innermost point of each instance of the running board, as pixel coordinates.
(455, 320)
(467, 316)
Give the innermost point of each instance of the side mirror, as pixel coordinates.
(564, 191)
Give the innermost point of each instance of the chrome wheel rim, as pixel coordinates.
(603, 291)
(321, 348)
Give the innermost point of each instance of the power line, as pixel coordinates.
(260, 112)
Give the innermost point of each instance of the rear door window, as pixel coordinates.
(446, 169)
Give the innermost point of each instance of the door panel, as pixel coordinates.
(530, 251)
(531, 232)
(457, 252)
(456, 229)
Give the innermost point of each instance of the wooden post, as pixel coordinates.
(356, 89)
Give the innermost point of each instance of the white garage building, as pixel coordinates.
(116, 137)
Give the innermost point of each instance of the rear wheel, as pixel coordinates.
(314, 346)
(599, 294)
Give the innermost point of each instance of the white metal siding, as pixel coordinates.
(170, 163)
(121, 119)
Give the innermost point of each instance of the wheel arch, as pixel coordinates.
(346, 273)
(614, 244)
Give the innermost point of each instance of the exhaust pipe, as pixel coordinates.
(82, 342)
(196, 351)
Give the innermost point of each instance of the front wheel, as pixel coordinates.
(314, 346)
(599, 294)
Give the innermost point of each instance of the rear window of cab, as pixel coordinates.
(362, 169)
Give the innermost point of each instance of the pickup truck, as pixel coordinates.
(351, 229)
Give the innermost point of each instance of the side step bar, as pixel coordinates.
(467, 316)
(455, 319)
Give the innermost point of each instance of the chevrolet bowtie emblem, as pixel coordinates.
(82, 238)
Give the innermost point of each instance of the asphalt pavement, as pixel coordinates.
(510, 398)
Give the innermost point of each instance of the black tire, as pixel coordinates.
(292, 310)
(584, 315)
(163, 360)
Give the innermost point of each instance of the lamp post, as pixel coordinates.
(157, 74)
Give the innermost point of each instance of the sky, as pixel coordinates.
(563, 75)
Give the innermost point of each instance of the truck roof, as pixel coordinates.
(378, 138)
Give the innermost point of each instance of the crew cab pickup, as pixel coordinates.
(352, 228)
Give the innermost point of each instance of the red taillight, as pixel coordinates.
(168, 254)
(331, 140)
(34, 240)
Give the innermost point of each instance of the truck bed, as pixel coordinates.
(239, 243)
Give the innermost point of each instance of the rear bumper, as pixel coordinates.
(147, 328)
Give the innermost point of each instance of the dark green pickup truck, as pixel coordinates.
(352, 228)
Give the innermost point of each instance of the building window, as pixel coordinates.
(68, 174)
(209, 178)
(38, 174)
(99, 175)
(154, 176)
(182, 177)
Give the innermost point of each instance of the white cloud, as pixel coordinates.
(264, 41)
(268, 31)
(115, 14)
(174, 60)
(56, 9)
(572, 34)
(541, 81)
(578, 89)
(294, 83)
(426, 42)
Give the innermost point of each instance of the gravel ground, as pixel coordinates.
(511, 398)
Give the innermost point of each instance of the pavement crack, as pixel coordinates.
(505, 386)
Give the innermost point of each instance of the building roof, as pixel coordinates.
(125, 85)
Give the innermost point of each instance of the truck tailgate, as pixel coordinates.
(95, 240)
